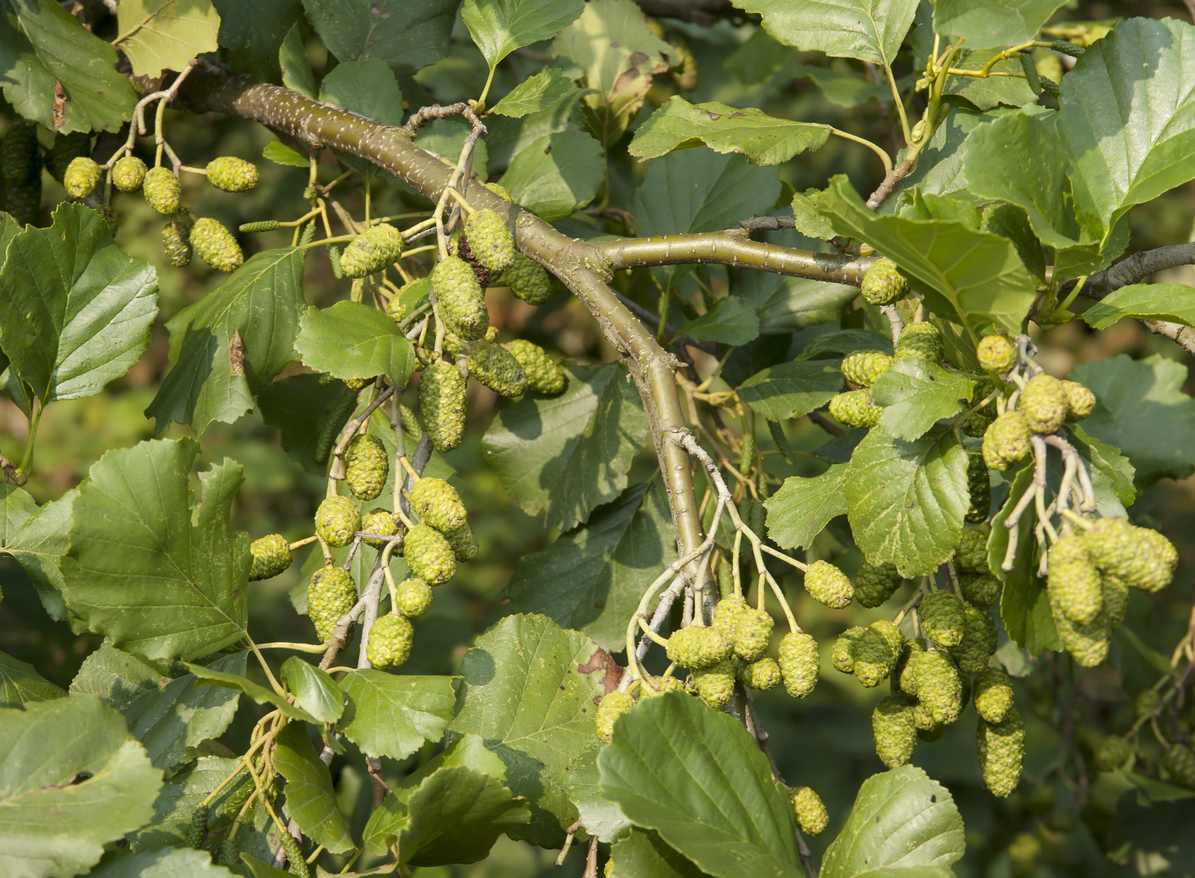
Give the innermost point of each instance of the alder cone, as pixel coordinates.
(330, 594)
(438, 505)
(612, 706)
(162, 190)
(461, 302)
(799, 663)
(367, 466)
(271, 556)
(442, 405)
(429, 555)
(1044, 403)
(894, 732)
(336, 521)
(1001, 749)
(528, 280)
(390, 641)
(811, 813)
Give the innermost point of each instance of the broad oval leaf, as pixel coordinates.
(903, 823)
(791, 390)
(730, 321)
(75, 311)
(21, 684)
(645, 853)
(71, 781)
(212, 676)
(698, 778)
(802, 508)
(1149, 301)
(498, 27)
(310, 798)
(556, 175)
(916, 394)
(314, 690)
(159, 35)
(351, 340)
(870, 30)
(393, 714)
(993, 24)
(367, 88)
(407, 36)
(536, 93)
(165, 863)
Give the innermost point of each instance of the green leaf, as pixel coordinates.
(917, 394)
(556, 175)
(1008, 87)
(294, 406)
(730, 321)
(296, 69)
(840, 87)
(1126, 83)
(39, 546)
(592, 577)
(281, 154)
(611, 43)
(76, 311)
(845, 342)
(251, 33)
(536, 93)
(140, 570)
(786, 304)
(159, 35)
(977, 276)
(993, 24)
(314, 690)
(698, 778)
(260, 303)
(645, 853)
(351, 340)
(210, 676)
(599, 817)
(407, 36)
(903, 823)
(802, 508)
(167, 716)
(41, 44)
(1110, 470)
(21, 684)
(567, 454)
(367, 88)
(528, 690)
(498, 27)
(178, 799)
(71, 781)
(1024, 604)
(17, 506)
(1142, 410)
(392, 715)
(1152, 301)
(939, 170)
(870, 30)
(167, 863)
(763, 139)
(906, 500)
(310, 798)
(792, 389)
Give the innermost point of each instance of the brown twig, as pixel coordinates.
(891, 181)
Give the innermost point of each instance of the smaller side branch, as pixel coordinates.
(1134, 269)
(1183, 336)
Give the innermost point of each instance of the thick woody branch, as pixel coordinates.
(581, 267)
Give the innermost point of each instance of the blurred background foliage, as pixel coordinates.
(1095, 828)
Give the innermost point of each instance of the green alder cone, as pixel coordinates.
(490, 240)
(1024, 853)
(371, 251)
(65, 149)
(18, 151)
(175, 246)
(993, 694)
(271, 555)
(975, 423)
(464, 543)
(715, 685)
(872, 657)
(865, 368)
(1087, 643)
(198, 827)
(920, 340)
(381, 522)
(1112, 752)
(499, 190)
(496, 368)
(429, 555)
(612, 706)
(997, 354)
(1006, 441)
(855, 408)
(752, 634)
(980, 589)
(438, 505)
(1146, 705)
(828, 585)
(81, 177)
(727, 613)
(410, 422)
(811, 813)
(840, 653)
(971, 554)
(162, 190)
(942, 618)
(395, 309)
(1138, 556)
(128, 173)
(544, 375)
(698, 647)
(979, 488)
(1076, 587)
(414, 597)
(390, 641)
(1080, 402)
(904, 673)
(893, 730)
(1115, 601)
(336, 521)
(528, 280)
(980, 639)
(883, 283)
(923, 721)
(1001, 748)
(215, 245)
(874, 584)
(366, 466)
(799, 663)
(1044, 404)
(461, 302)
(1180, 762)
(762, 674)
(232, 174)
(330, 594)
(442, 405)
(939, 687)
(23, 199)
